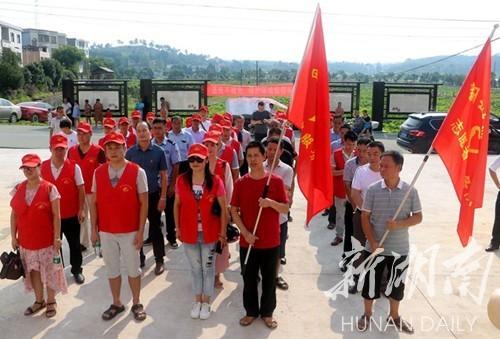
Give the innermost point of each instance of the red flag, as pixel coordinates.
(462, 141)
(309, 110)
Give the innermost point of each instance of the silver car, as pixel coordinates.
(9, 111)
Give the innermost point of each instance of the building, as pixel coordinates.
(43, 38)
(32, 54)
(11, 38)
(80, 44)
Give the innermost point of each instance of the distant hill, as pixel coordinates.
(163, 61)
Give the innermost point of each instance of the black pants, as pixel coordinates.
(332, 214)
(348, 219)
(155, 233)
(70, 227)
(169, 220)
(244, 165)
(395, 267)
(495, 234)
(283, 238)
(265, 260)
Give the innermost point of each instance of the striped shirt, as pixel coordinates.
(382, 203)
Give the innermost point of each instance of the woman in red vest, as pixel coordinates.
(198, 191)
(35, 225)
(220, 168)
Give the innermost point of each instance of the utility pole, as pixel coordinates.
(256, 73)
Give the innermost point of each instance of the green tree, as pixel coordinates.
(37, 74)
(11, 73)
(53, 71)
(69, 56)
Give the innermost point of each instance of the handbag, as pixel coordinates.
(232, 233)
(12, 268)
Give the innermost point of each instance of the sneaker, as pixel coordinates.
(205, 311)
(195, 311)
(173, 245)
(492, 248)
(283, 261)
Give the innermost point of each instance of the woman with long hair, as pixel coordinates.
(200, 224)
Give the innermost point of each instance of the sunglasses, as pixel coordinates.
(196, 159)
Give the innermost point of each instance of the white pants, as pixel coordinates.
(85, 226)
(339, 220)
(116, 246)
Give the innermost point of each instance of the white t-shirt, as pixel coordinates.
(30, 194)
(72, 138)
(495, 165)
(78, 177)
(115, 175)
(364, 178)
(285, 172)
(54, 124)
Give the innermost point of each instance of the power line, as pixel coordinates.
(292, 11)
(225, 27)
(446, 58)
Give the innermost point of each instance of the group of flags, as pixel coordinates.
(461, 142)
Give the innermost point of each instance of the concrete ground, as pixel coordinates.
(441, 301)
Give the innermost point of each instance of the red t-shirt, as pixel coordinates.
(246, 194)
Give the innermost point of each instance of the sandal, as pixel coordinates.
(281, 283)
(363, 323)
(138, 312)
(247, 320)
(270, 322)
(51, 310)
(401, 325)
(112, 311)
(36, 307)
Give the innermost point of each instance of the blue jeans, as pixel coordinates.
(201, 258)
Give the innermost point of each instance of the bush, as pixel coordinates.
(11, 73)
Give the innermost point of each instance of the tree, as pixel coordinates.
(37, 75)
(69, 56)
(53, 71)
(11, 73)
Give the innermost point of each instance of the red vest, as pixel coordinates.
(227, 154)
(88, 163)
(131, 139)
(236, 146)
(101, 142)
(220, 170)
(117, 207)
(289, 133)
(35, 227)
(66, 186)
(188, 212)
(338, 181)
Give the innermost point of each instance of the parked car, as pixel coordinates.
(9, 111)
(35, 111)
(418, 131)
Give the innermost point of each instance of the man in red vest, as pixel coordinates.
(109, 126)
(130, 136)
(118, 211)
(88, 156)
(338, 159)
(67, 177)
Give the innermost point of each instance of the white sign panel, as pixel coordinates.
(109, 99)
(408, 103)
(180, 100)
(344, 98)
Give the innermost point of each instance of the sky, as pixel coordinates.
(355, 31)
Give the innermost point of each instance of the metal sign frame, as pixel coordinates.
(352, 87)
(429, 89)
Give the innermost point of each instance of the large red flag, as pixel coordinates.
(462, 141)
(309, 110)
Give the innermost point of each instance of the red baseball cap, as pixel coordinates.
(109, 122)
(217, 118)
(226, 124)
(30, 160)
(84, 127)
(189, 122)
(150, 115)
(281, 115)
(196, 117)
(216, 128)
(204, 109)
(228, 116)
(136, 115)
(211, 136)
(115, 137)
(123, 120)
(58, 140)
(198, 150)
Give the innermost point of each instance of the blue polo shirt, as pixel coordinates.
(152, 160)
(171, 155)
(182, 140)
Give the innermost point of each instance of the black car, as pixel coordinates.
(418, 131)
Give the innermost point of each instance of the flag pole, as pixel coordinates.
(426, 157)
(264, 194)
